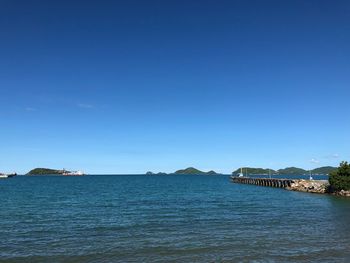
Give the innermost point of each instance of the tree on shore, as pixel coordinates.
(340, 179)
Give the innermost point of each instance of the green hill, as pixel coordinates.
(292, 171)
(286, 171)
(324, 170)
(254, 171)
(43, 171)
(191, 170)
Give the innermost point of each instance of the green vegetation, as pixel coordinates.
(192, 170)
(340, 179)
(254, 171)
(324, 170)
(43, 171)
(291, 171)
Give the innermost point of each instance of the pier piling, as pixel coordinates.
(270, 182)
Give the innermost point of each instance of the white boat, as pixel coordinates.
(241, 173)
(73, 173)
(3, 176)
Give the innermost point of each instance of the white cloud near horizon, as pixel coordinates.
(314, 161)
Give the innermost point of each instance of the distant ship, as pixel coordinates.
(2, 176)
(73, 173)
(241, 173)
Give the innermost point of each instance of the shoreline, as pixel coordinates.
(297, 185)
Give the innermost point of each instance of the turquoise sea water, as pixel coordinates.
(167, 219)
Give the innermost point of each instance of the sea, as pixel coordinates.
(174, 218)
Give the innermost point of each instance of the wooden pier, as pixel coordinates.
(271, 182)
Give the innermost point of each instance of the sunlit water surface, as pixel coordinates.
(167, 218)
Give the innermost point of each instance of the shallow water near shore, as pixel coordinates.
(167, 218)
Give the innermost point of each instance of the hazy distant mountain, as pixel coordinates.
(253, 171)
(151, 173)
(323, 170)
(191, 170)
(286, 171)
(292, 171)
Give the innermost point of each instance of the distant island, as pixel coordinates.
(48, 171)
(292, 171)
(191, 170)
(325, 170)
(252, 171)
(151, 173)
(187, 171)
(44, 171)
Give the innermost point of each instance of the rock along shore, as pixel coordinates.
(315, 186)
(310, 186)
(300, 185)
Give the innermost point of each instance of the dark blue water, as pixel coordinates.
(167, 218)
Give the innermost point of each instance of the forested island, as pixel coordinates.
(252, 171)
(44, 171)
(48, 171)
(191, 170)
(325, 170)
(187, 171)
(292, 171)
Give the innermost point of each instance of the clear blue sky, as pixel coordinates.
(132, 86)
